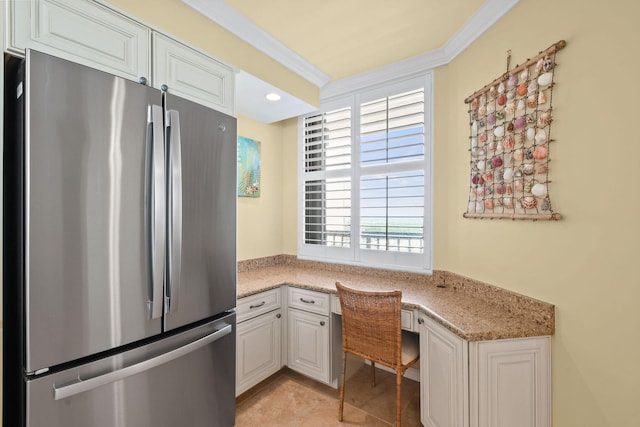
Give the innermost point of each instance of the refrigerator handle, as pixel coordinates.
(174, 203)
(80, 386)
(156, 212)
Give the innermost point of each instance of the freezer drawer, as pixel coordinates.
(184, 380)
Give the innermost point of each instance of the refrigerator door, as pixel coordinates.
(184, 380)
(92, 171)
(201, 214)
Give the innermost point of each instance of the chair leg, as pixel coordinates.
(344, 377)
(398, 395)
(373, 374)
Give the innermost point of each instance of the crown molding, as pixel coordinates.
(484, 18)
(233, 21)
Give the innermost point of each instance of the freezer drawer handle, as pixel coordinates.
(85, 385)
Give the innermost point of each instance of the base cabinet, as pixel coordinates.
(309, 349)
(485, 383)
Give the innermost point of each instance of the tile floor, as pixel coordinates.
(288, 399)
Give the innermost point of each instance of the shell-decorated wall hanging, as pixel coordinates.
(510, 142)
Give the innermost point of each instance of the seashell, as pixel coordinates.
(501, 87)
(499, 131)
(472, 192)
(489, 191)
(492, 146)
(480, 165)
(481, 123)
(498, 202)
(508, 159)
(508, 142)
(491, 119)
(510, 127)
(539, 190)
(481, 152)
(480, 191)
(540, 153)
(518, 155)
(510, 108)
(547, 63)
(517, 173)
(491, 107)
(533, 86)
(496, 162)
(471, 208)
(528, 202)
(482, 111)
(500, 115)
(509, 189)
(513, 81)
(499, 176)
(475, 179)
(488, 176)
(474, 142)
(531, 101)
(520, 122)
(500, 188)
(474, 127)
(541, 135)
(483, 137)
(511, 94)
(544, 119)
(529, 154)
(508, 174)
(521, 105)
(474, 115)
(479, 207)
(545, 79)
(502, 99)
(507, 202)
(483, 99)
(542, 169)
(527, 186)
(522, 89)
(474, 152)
(545, 205)
(528, 169)
(488, 204)
(530, 119)
(524, 75)
(493, 92)
(539, 65)
(474, 103)
(542, 98)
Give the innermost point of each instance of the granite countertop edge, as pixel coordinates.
(473, 310)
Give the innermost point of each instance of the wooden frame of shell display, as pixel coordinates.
(510, 142)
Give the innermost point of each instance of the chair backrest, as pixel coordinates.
(371, 325)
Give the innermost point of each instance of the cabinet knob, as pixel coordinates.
(322, 323)
(278, 316)
(142, 81)
(164, 88)
(420, 320)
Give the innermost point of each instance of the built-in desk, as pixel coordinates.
(485, 351)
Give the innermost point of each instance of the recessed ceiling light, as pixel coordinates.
(272, 96)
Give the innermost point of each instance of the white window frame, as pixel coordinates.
(354, 255)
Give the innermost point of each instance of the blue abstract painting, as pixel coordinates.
(248, 167)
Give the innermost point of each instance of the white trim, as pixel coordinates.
(233, 21)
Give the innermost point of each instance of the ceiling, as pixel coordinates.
(333, 41)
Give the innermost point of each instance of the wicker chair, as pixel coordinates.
(371, 329)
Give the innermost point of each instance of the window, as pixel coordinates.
(366, 179)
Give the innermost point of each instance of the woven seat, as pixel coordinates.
(371, 329)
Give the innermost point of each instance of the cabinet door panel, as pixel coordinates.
(444, 375)
(82, 32)
(258, 350)
(192, 75)
(309, 347)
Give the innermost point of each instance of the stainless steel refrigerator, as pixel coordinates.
(119, 252)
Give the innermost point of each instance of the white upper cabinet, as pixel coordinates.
(191, 74)
(83, 32)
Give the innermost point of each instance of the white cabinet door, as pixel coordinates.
(443, 376)
(192, 75)
(510, 383)
(83, 32)
(308, 344)
(258, 349)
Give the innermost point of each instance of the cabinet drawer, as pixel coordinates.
(255, 305)
(312, 301)
(406, 316)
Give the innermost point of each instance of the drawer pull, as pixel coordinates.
(420, 320)
(251, 307)
(307, 301)
(322, 323)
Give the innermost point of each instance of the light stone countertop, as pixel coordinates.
(472, 310)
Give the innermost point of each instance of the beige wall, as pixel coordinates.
(585, 264)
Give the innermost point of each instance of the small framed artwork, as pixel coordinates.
(248, 167)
